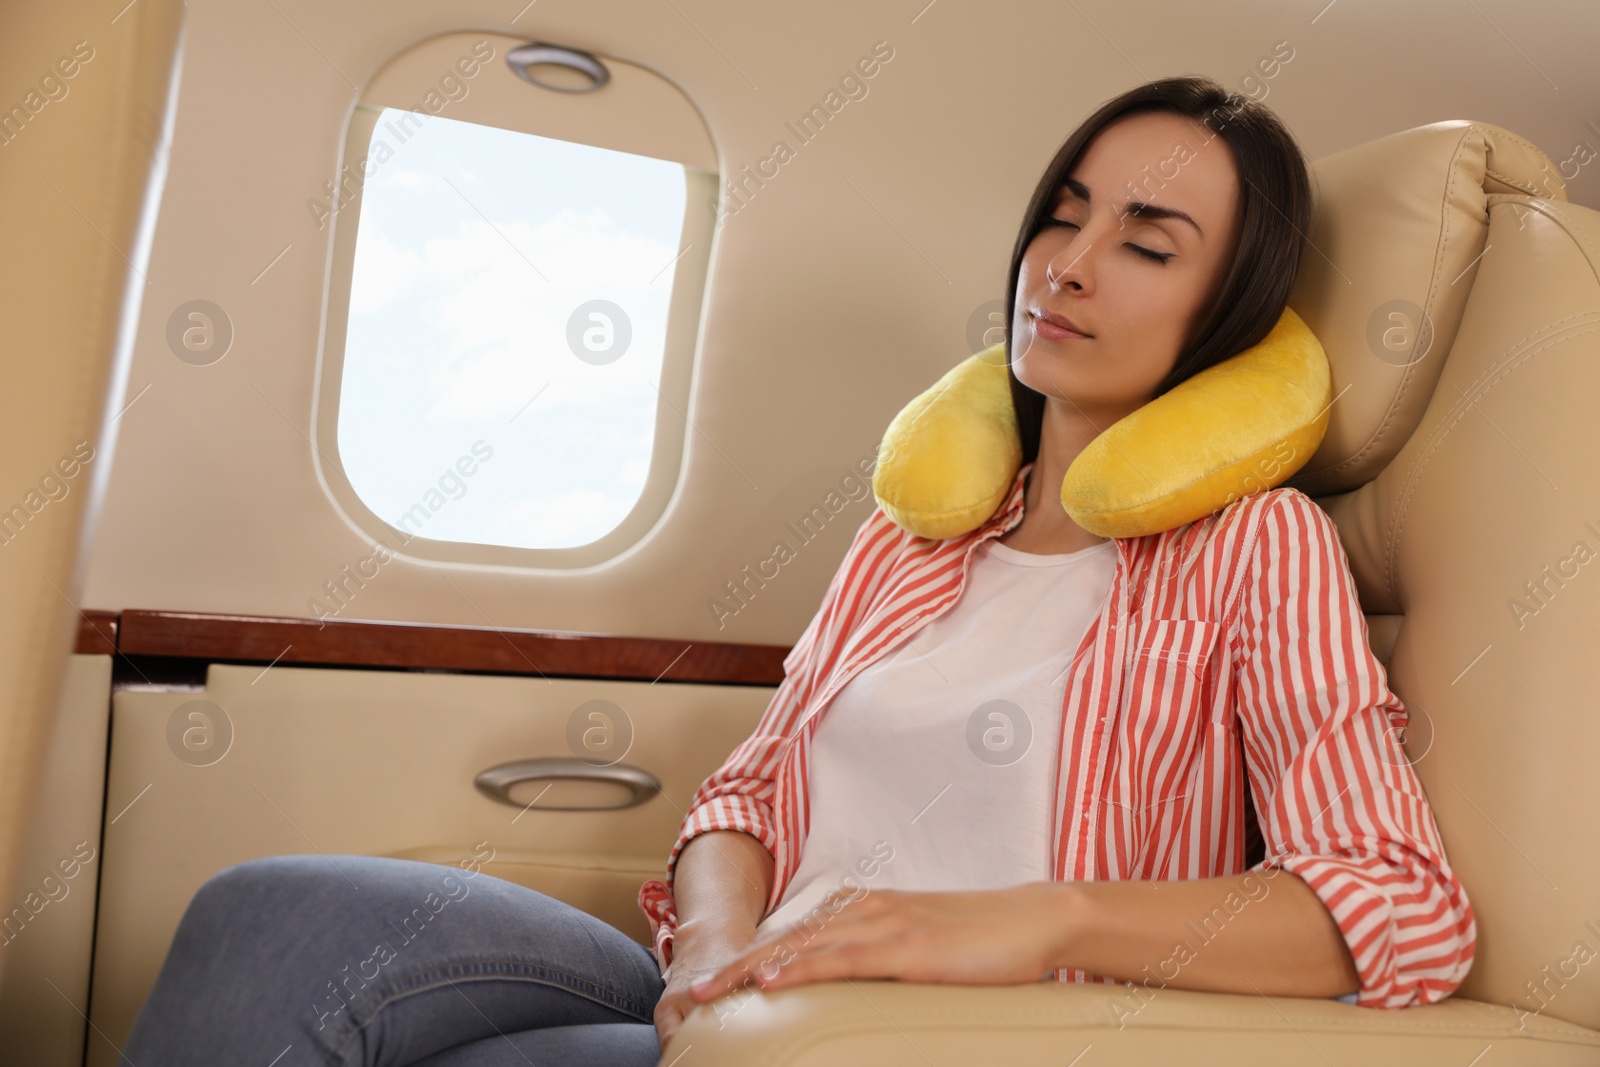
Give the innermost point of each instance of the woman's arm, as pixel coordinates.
(1339, 803)
(723, 880)
(1308, 690)
(724, 877)
(735, 801)
(737, 798)
(1259, 932)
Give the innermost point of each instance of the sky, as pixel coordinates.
(475, 247)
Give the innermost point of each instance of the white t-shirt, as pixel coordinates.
(933, 768)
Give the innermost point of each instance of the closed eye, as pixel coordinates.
(1158, 257)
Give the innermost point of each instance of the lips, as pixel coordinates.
(1061, 321)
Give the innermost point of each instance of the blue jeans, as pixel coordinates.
(346, 960)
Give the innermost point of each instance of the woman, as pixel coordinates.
(1248, 672)
(998, 805)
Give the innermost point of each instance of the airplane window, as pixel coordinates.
(506, 330)
(514, 290)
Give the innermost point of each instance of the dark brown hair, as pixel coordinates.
(1274, 218)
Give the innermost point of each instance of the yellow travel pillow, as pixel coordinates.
(949, 458)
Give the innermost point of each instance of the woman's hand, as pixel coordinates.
(984, 937)
(693, 958)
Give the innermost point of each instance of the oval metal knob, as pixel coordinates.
(497, 782)
(540, 54)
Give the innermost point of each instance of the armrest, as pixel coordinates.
(887, 1024)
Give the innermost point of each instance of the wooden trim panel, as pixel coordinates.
(97, 633)
(255, 639)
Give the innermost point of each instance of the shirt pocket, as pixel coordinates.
(1170, 648)
(1165, 737)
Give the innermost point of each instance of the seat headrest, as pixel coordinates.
(1399, 227)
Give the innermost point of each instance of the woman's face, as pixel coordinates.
(1094, 267)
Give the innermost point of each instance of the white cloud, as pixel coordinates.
(406, 179)
(490, 385)
(504, 327)
(634, 471)
(561, 520)
(383, 273)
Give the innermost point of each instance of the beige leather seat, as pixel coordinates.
(1456, 293)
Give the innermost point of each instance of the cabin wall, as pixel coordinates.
(842, 287)
(382, 763)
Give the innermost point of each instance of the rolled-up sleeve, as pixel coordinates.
(739, 795)
(1339, 803)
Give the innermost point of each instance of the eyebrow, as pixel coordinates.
(1135, 207)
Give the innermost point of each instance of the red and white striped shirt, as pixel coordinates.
(1231, 646)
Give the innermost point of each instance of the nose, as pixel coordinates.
(1073, 265)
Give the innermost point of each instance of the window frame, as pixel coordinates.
(644, 114)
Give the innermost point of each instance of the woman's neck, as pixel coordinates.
(1046, 528)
